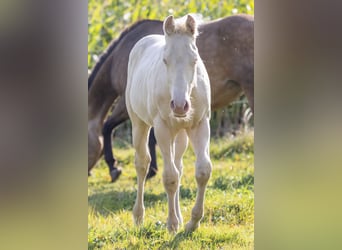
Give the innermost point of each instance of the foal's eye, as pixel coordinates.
(164, 60)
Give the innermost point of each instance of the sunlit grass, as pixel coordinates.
(228, 222)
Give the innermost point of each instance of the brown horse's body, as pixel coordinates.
(226, 47)
(107, 83)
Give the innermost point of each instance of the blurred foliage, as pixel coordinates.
(108, 18)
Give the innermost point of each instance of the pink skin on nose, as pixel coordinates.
(180, 110)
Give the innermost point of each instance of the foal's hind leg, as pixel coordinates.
(181, 143)
(200, 139)
(142, 159)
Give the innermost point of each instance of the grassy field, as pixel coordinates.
(229, 206)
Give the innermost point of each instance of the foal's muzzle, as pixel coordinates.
(180, 110)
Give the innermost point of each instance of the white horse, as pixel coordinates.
(168, 88)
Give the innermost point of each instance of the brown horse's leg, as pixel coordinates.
(99, 102)
(94, 145)
(247, 85)
(152, 147)
(118, 116)
(249, 92)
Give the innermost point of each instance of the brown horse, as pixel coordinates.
(226, 47)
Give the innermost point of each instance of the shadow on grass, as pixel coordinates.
(211, 241)
(107, 202)
(112, 201)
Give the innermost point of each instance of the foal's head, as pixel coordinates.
(180, 57)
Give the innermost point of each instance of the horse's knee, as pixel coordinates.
(171, 180)
(142, 162)
(203, 171)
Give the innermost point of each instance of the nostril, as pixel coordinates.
(172, 105)
(186, 106)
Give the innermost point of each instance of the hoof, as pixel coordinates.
(191, 226)
(172, 225)
(89, 174)
(173, 228)
(115, 174)
(138, 214)
(151, 172)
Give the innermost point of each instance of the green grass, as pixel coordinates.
(228, 221)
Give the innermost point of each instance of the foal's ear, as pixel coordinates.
(191, 25)
(169, 25)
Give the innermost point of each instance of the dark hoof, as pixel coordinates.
(89, 174)
(151, 172)
(115, 174)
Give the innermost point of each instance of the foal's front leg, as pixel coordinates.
(181, 144)
(142, 160)
(170, 174)
(200, 139)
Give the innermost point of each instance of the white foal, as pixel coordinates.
(168, 88)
